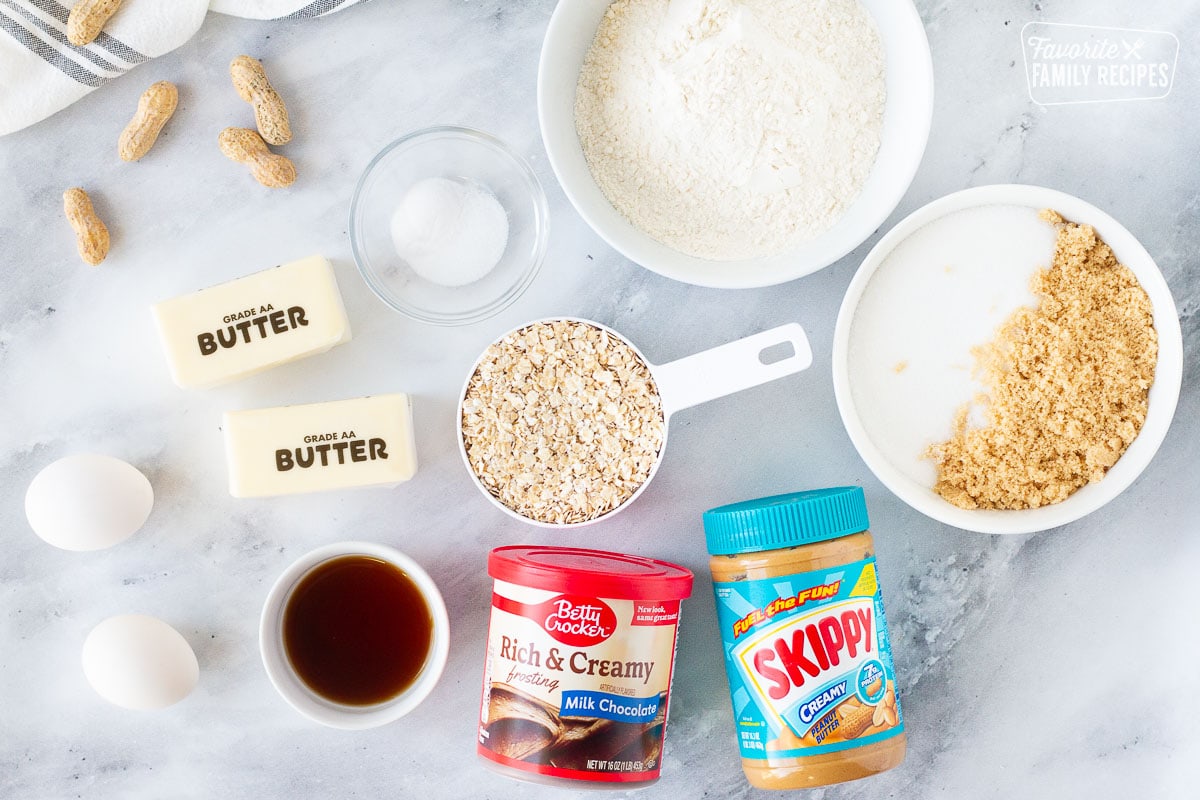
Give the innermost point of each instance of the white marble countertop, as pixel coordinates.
(1045, 666)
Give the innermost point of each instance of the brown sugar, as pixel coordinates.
(1067, 384)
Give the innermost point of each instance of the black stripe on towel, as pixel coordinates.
(114, 46)
(56, 10)
(60, 37)
(316, 8)
(52, 56)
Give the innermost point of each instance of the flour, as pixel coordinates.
(731, 129)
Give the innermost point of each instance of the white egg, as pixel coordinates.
(139, 662)
(88, 502)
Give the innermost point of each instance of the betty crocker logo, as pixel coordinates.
(571, 619)
(578, 621)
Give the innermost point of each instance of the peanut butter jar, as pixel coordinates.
(805, 638)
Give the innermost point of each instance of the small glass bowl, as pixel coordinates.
(459, 154)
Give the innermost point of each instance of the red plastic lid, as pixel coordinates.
(595, 573)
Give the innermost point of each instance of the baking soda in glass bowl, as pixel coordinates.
(450, 232)
(472, 227)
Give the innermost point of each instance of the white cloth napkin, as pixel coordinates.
(41, 72)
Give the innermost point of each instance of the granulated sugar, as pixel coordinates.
(731, 129)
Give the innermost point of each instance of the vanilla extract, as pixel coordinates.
(357, 630)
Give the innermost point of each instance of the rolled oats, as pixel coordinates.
(562, 421)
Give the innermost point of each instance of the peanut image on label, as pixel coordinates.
(850, 719)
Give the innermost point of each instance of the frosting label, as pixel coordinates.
(576, 686)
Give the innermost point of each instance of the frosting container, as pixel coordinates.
(577, 679)
(805, 639)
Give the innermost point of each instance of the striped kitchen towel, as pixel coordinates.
(41, 72)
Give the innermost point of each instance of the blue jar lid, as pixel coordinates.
(785, 520)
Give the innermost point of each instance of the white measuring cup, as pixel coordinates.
(686, 382)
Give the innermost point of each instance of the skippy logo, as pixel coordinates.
(802, 664)
(572, 620)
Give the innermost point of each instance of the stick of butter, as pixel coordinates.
(362, 442)
(251, 324)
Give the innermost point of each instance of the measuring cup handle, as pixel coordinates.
(730, 368)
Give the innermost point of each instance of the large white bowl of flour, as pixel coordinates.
(904, 131)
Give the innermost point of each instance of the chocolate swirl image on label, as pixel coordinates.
(520, 726)
(527, 729)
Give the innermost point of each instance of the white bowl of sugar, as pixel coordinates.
(823, 220)
(937, 287)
